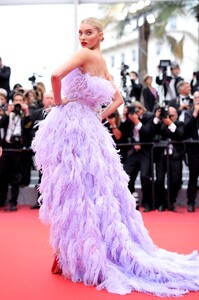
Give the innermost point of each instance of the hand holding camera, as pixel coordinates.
(161, 112)
(111, 120)
(167, 121)
(18, 109)
(133, 117)
(25, 109)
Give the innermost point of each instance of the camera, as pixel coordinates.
(164, 112)
(111, 116)
(16, 139)
(131, 110)
(164, 64)
(17, 109)
(124, 73)
(32, 79)
(124, 69)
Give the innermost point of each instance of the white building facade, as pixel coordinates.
(125, 49)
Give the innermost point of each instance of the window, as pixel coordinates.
(112, 61)
(134, 55)
(122, 58)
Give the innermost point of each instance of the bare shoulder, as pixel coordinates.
(105, 71)
(85, 53)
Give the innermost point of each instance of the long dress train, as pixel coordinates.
(98, 234)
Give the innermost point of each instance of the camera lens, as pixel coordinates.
(17, 109)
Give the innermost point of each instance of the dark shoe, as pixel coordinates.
(136, 197)
(147, 208)
(35, 206)
(191, 208)
(137, 207)
(12, 207)
(172, 208)
(162, 208)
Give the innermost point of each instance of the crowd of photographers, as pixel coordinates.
(154, 139)
(20, 110)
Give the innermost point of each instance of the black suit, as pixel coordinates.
(191, 131)
(177, 103)
(37, 115)
(150, 101)
(11, 168)
(173, 161)
(166, 81)
(136, 90)
(5, 78)
(140, 160)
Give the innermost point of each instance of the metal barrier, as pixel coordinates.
(18, 150)
(152, 145)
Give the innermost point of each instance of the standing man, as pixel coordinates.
(38, 115)
(192, 131)
(184, 100)
(169, 159)
(16, 124)
(5, 73)
(136, 87)
(169, 83)
(141, 130)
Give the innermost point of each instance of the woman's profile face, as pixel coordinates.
(89, 37)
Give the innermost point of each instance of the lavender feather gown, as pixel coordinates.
(94, 226)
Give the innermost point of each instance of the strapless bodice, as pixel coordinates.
(92, 91)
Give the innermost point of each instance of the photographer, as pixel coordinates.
(141, 129)
(169, 83)
(5, 73)
(3, 102)
(136, 88)
(117, 128)
(16, 124)
(168, 158)
(184, 101)
(123, 74)
(195, 82)
(38, 115)
(192, 132)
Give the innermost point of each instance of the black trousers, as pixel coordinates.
(193, 164)
(10, 173)
(140, 161)
(174, 179)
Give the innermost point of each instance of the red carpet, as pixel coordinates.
(26, 256)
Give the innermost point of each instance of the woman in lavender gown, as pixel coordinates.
(96, 232)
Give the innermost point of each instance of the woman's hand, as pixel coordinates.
(61, 102)
(64, 101)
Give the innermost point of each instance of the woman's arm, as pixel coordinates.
(112, 107)
(117, 101)
(77, 60)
